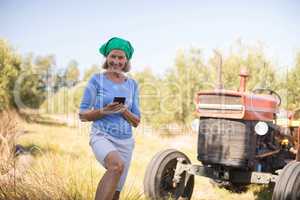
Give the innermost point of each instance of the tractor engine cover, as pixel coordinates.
(229, 142)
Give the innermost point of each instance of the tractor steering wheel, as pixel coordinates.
(268, 91)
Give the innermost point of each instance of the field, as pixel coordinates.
(62, 166)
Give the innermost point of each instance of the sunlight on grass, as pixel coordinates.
(64, 166)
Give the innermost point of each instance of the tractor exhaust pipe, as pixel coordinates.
(243, 74)
(219, 85)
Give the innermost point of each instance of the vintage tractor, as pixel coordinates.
(239, 143)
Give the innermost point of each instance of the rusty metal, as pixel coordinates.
(252, 177)
(225, 143)
(243, 74)
(255, 107)
(199, 170)
(235, 176)
(267, 154)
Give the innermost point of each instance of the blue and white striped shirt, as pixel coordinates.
(101, 91)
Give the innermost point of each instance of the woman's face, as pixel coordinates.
(116, 60)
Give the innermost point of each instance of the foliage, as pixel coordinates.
(90, 71)
(292, 86)
(163, 100)
(72, 73)
(10, 67)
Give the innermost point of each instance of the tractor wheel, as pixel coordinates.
(158, 180)
(288, 183)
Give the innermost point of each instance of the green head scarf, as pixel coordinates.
(117, 43)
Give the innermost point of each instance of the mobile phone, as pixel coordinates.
(119, 100)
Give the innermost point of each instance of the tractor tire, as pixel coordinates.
(158, 180)
(287, 186)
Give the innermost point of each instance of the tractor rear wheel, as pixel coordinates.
(158, 180)
(288, 183)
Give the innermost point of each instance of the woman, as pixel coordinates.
(111, 134)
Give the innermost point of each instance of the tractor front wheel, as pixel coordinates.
(158, 180)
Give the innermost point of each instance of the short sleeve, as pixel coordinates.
(135, 109)
(89, 95)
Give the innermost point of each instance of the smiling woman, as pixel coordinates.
(117, 59)
(111, 135)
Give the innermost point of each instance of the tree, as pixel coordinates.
(10, 66)
(23, 81)
(90, 71)
(150, 95)
(262, 73)
(59, 80)
(72, 73)
(292, 85)
(35, 81)
(181, 83)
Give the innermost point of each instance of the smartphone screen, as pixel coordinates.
(119, 100)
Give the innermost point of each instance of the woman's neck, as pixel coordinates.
(114, 74)
(117, 76)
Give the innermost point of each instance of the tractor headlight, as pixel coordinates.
(261, 128)
(195, 125)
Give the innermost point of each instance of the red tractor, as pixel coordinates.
(239, 143)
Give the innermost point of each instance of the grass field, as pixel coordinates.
(64, 167)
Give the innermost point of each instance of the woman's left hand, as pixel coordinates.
(129, 116)
(123, 108)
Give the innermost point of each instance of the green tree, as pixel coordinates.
(181, 83)
(34, 81)
(150, 95)
(292, 85)
(262, 73)
(72, 73)
(10, 66)
(90, 71)
(58, 80)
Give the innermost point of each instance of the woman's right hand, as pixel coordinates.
(92, 115)
(111, 108)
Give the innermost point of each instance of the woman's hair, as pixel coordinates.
(126, 68)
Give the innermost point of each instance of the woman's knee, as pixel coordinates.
(116, 167)
(114, 163)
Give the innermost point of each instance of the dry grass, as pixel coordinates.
(9, 131)
(65, 168)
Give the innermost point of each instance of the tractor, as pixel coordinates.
(240, 142)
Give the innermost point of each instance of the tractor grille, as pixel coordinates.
(226, 142)
(220, 105)
(220, 99)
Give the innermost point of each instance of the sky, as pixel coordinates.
(156, 29)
